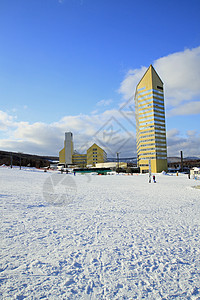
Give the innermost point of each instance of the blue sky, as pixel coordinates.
(69, 65)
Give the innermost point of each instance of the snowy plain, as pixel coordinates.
(98, 237)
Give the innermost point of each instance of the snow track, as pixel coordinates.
(119, 238)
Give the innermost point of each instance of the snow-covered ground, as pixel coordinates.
(98, 237)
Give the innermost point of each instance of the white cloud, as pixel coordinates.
(104, 102)
(180, 73)
(191, 133)
(128, 85)
(172, 133)
(189, 108)
(94, 112)
(47, 139)
(6, 120)
(38, 133)
(189, 143)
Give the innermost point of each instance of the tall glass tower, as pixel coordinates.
(150, 123)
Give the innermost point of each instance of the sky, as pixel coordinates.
(73, 65)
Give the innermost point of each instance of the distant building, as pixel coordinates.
(67, 156)
(112, 165)
(150, 123)
(195, 173)
(188, 163)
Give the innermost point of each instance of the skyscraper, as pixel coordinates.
(150, 123)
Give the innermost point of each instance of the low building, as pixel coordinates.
(79, 160)
(112, 165)
(69, 157)
(195, 173)
(175, 163)
(54, 165)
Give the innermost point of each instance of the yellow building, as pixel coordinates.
(150, 123)
(62, 156)
(79, 160)
(67, 156)
(96, 154)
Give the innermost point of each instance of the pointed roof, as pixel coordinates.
(94, 145)
(153, 73)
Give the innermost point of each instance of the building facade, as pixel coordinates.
(150, 123)
(79, 160)
(96, 154)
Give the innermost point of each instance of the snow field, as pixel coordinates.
(98, 237)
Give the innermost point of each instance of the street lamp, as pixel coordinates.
(20, 160)
(11, 160)
(118, 161)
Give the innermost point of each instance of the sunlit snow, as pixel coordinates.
(98, 237)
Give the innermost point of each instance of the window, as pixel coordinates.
(141, 89)
(160, 87)
(146, 149)
(145, 119)
(159, 122)
(145, 92)
(146, 114)
(147, 153)
(149, 91)
(159, 105)
(161, 145)
(150, 104)
(159, 92)
(159, 109)
(159, 139)
(146, 145)
(160, 134)
(145, 158)
(145, 110)
(159, 113)
(162, 117)
(144, 97)
(146, 136)
(158, 101)
(158, 96)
